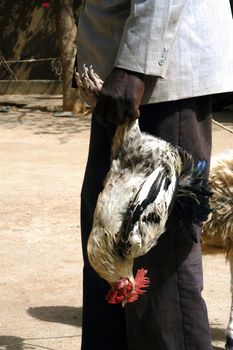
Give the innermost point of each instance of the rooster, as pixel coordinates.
(148, 179)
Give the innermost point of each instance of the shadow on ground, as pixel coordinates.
(17, 343)
(217, 334)
(39, 122)
(58, 314)
(225, 115)
(11, 343)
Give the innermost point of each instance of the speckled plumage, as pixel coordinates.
(147, 178)
(138, 160)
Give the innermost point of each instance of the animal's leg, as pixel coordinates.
(92, 80)
(89, 84)
(229, 331)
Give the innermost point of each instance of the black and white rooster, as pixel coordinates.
(148, 179)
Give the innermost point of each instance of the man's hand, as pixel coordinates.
(120, 97)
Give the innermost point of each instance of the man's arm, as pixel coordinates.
(148, 36)
(144, 49)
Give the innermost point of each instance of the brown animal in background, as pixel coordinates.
(218, 229)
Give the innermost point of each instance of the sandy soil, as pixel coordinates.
(42, 164)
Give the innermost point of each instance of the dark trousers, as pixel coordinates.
(171, 315)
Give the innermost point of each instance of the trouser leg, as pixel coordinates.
(172, 315)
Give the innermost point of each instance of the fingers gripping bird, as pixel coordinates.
(147, 180)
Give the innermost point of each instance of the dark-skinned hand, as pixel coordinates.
(120, 97)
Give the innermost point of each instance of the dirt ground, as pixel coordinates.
(42, 164)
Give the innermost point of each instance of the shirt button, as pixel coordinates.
(161, 61)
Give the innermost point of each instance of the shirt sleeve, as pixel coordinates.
(148, 36)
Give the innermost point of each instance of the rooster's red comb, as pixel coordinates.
(128, 293)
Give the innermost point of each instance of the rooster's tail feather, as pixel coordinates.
(193, 193)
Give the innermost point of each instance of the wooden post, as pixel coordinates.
(67, 36)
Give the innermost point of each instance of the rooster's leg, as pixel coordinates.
(89, 84)
(92, 81)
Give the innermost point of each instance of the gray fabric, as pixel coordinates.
(186, 44)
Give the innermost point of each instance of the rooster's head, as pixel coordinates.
(117, 270)
(105, 259)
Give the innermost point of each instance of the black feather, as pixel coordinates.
(136, 209)
(153, 193)
(193, 192)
